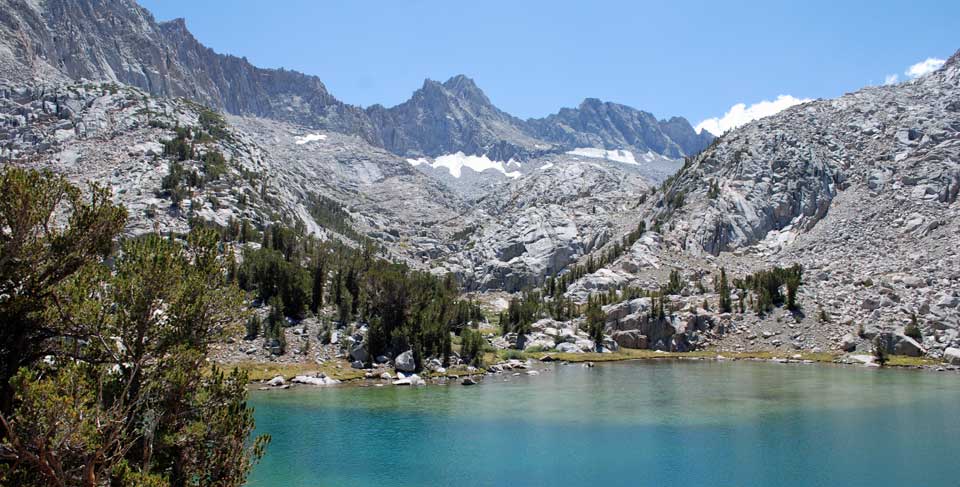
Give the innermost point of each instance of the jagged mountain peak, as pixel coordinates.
(460, 82)
(459, 87)
(464, 87)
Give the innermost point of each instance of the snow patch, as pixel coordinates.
(618, 155)
(546, 166)
(309, 138)
(456, 162)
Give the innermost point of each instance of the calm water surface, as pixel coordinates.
(670, 423)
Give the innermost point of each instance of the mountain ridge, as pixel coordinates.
(120, 41)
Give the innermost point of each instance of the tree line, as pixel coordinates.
(402, 308)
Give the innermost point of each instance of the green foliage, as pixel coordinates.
(595, 322)
(330, 214)
(273, 329)
(326, 332)
(912, 330)
(404, 309)
(344, 306)
(267, 272)
(464, 233)
(562, 309)
(660, 306)
(38, 258)
(253, 327)
(766, 287)
(675, 284)
(677, 200)
(521, 313)
(179, 148)
(213, 124)
(214, 165)
(513, 355)
(111, 388)
(723, 289)
(880, 353)
(472, 346)
(173, 184)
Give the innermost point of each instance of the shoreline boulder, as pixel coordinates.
(404, 362)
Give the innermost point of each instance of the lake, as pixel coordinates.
(656, 423)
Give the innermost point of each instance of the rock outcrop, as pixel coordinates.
(861, 191)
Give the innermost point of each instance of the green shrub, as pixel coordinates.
(880, 352)
(912, 329)
(473, 346)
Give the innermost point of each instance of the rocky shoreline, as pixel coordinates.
(546, 363)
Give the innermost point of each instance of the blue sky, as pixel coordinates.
(531, 57)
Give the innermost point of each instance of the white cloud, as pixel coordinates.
(740, 114)
(891, 79)
(924, 67)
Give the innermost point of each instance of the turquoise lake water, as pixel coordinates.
(667, 423)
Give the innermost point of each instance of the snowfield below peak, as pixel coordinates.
(616, 155)
(306, 139)
(456, 162)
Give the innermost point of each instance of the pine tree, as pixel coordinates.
(596, 321)
(38, 258)
(880, 352)
(792, 279)
(142, 369)
(345, 308)
(726, 305)
(675, 284)
(276, 322)
(253, 327)
(912, 330)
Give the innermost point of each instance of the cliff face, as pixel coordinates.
(117, 40)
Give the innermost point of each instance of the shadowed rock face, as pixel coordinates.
(119, 41)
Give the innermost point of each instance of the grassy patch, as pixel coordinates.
(261, 371)
(905, 361)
